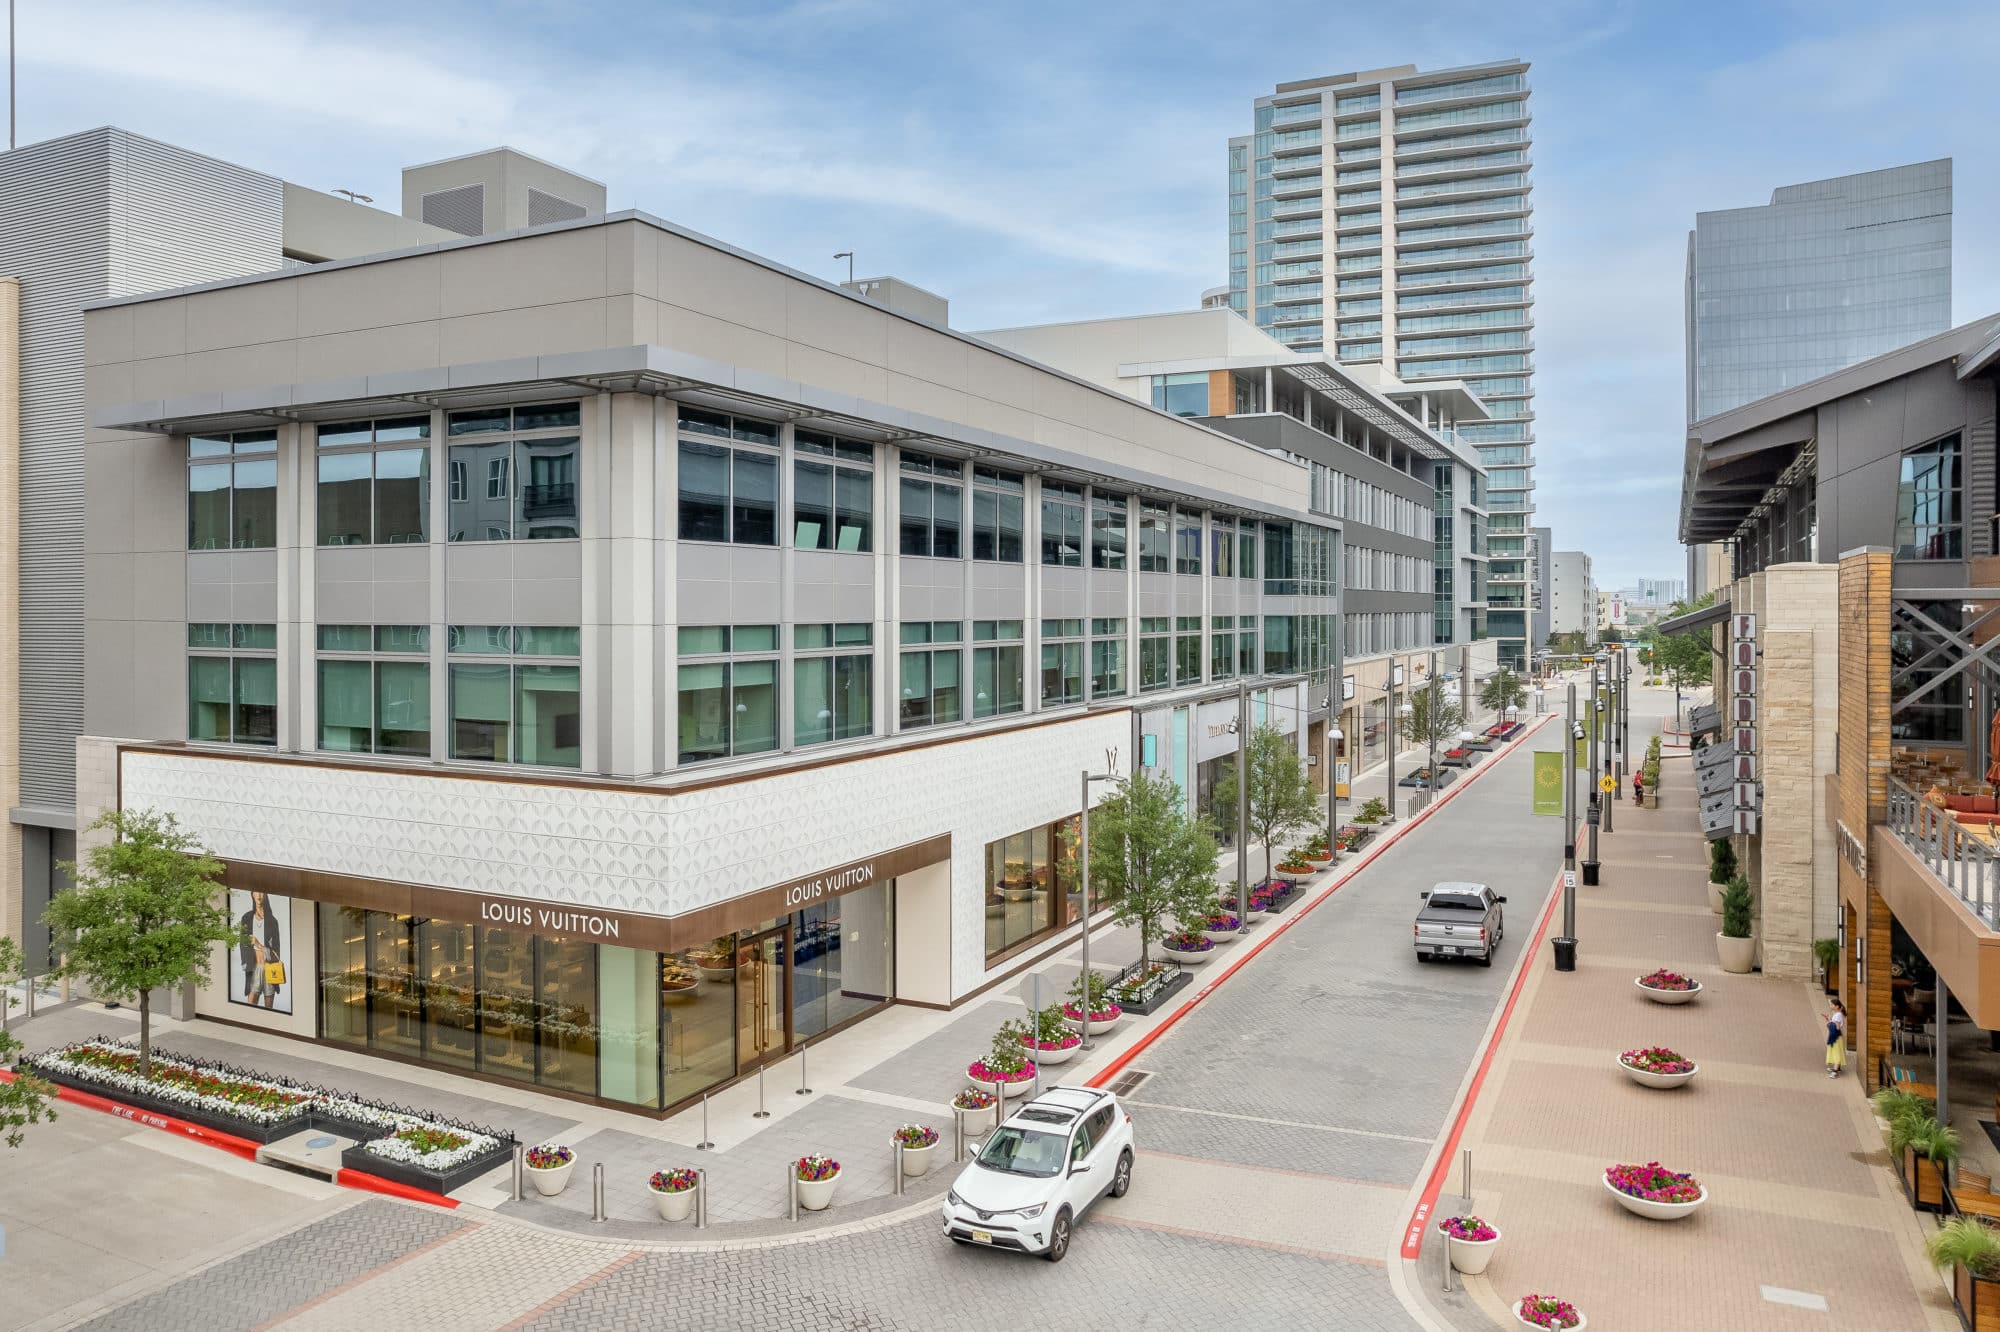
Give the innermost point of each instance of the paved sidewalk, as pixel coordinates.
(1805, 1226)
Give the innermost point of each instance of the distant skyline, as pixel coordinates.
(1031, 180)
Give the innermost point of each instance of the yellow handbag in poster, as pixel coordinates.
(274, 973)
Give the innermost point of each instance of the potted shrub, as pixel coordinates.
(1826, 952)
(1051, 1040)
(1221, 926)
(1721, 869)
(1970, 1250)
(1655, 1192)
(918, 1141)
(1373, 810)
(1005, 1063)
(975, 1107)
(1893, 1103)
(548, 1168)
(1469, 1243)
(1548, 1311)
(673, 1193)
(1090, 993)
(1294, 866)
(1668, 987)
(1657, 1066)
(1734, 944)
(1923, 1149)
(817, 1177)
(1187, 947)
(1317, 851)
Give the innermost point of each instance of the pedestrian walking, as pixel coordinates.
(1836, 1040)
(1638, 787)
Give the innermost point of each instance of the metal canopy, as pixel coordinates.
(1390, 422)
(1690, 621)
(1723, 493)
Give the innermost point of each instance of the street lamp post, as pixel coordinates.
(1334, 737)
(1595, 707)
(1433, 695)
(1608, 719)
(1242, 805)
(1565, 946)
(1083, 866)
(1391, 713)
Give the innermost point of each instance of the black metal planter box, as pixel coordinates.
(417, 1177)
(251, 1130)
(1158, 1000)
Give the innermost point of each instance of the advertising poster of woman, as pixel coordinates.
(261, 976)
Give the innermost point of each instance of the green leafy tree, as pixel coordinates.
(23, 1101)
(1280, 800)
(1504, 690)
(1685, 659)
(145, 913)
(1435, 716)
(1140, 837)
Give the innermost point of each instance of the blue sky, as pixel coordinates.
(1058, 161)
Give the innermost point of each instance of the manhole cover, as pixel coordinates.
(1130, 1081)
(321, 1141)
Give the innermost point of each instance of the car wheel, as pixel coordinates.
(1058, 1238)
(1486, 958)
(1121, 1179)
(1423, 957)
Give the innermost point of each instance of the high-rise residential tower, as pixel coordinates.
(1828, 274)
(1384, 216)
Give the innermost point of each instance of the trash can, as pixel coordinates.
(1565, 954)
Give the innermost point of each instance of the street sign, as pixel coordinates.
(1607, 784)
(1569, 878)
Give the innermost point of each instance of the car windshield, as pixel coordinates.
(1024, 1152)
(1457, 901)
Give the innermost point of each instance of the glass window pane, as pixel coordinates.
(812, 701)
(344, 480)
(760, 432)
(480, 639)
(704, 482)
(403, 708)
(208, 507)
(854, 708)
(481, 716)
(402, 496)
(547, 641)
(1009, 515)
(345, 695)
(694, 421)
(343, 975)
(703, 693)
(812, 505)
(346, 432)
(403, 638)
(403, 427)
(754, 695)
(913, 704)
(548, 416)
(208, 698)
(754, 512)
(208, 635)
(628, 1018)
(854, 504)
(947, 521)
(806, 637)
(755, 637)
(480, 421)
(445, 977)
(255, 510)
(945, 702)
(548, 716)
(1062, 673)
(479, 508)
(567, 1014)
(256, 720)
(703, 639)
(914, 517)
(206, 446)
(547, 504)
(258, 636)
(343, 638)
(850, 635)
(507, 1003)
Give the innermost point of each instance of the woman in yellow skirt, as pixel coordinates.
(1836, 1040)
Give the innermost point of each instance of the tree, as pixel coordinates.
(1503, 691)
(1435, 716)
(1686, 659)
(24, 1100)
(145, 913)
(1280, 799)
(1140, 837)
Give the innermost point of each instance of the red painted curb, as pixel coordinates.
(367, 1183)
(1413, 1238)
(1381, 844)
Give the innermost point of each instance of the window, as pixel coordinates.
(233, 683)
(514, 489)
(1062, 525)
(997, 501)
(1156, 653)
(233, 491)
(833, 493)
(372, 698)
(1222, 648)
(1187, 650)
(1031, 887)
(1246, 549)
(1154, 524)
(929, 693)
(1187, 542)
(932, 511)
(833, 688)
(1222, 547)
(728, 493)
(375, 482)
(1183, 395)
(1108, 517)
(1246, 645)
(1927, 504)
(525, 707)
(726, 684)
(1062, 662)
(1107, 658)
(998, 683)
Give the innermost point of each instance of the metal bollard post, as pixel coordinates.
(803, 1089)
(29, 983)
(701, 1200)
(761, 1112)
(792, 1187)
(597, 1192)
(1468, 1179)
(520, 1154)
(999, 1102)
(957, 1135)
(899, 1167)
(704, 1144)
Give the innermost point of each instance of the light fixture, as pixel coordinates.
(1336, 734)
(1406, 710)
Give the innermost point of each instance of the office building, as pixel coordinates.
(1829, 273)
(1572, 595)
(1541, 543)
(733, 685)
(1384, 217)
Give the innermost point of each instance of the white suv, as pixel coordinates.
(1039, 1170)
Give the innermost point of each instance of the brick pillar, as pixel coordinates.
(1873, 1018)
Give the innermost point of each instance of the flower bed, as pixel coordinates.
(1068, 1041)
(816, 1169)
(672, 1181)
(1656, 1059)
(1653, 1183)
(1295, 867)
(980, 1071)
(1109, 1013)
(1668, 980)
(1547, 1311)
(1468, 1228)
(548, 1158)
(913, 1136)
(1186, 941)
(1219, 921)
(1146, 989)
(972, 1099)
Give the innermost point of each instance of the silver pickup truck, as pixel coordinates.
(1460, 920)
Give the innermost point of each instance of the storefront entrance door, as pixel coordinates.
(763, 997)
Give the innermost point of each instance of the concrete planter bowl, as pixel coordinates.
(1470, 1256)
(1578, 1326)
(1659, 1080)
(1736, 955)
(1191, 958)
(1715, 897)
(816, 1195)
(677, 1205)
(1669, 997)
(1656, 1211)
(549, 1180)
(1048, 1055)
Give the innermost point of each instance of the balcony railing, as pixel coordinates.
(1962, 862)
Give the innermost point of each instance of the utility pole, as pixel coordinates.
(1242, 804)
(1390, 713)
(1594, 711)
(1336, 686)
(1433, 695)
(1608, 719)
(1565, 946)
